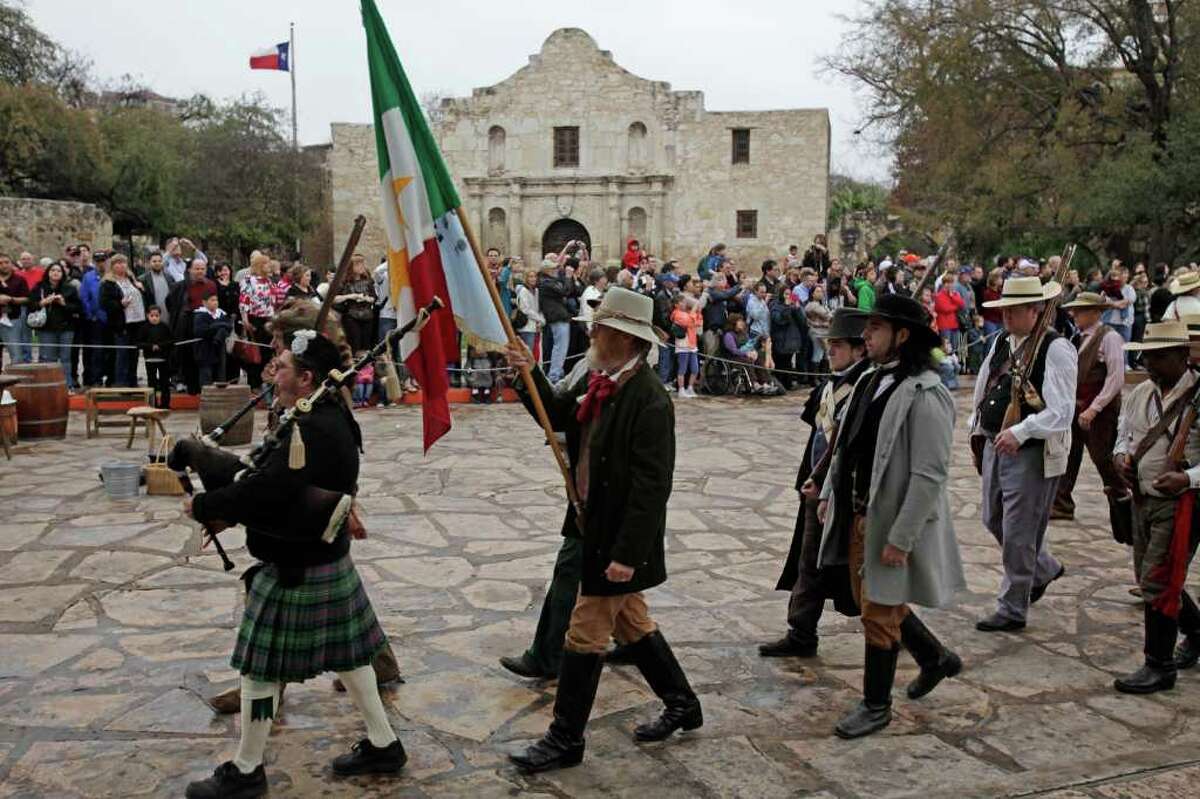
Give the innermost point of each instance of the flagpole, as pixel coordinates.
(535, 397)
(295, 138)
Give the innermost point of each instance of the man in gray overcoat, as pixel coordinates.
(885, 508)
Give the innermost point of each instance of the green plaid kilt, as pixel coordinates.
(293, 634)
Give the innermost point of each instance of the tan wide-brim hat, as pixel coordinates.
(1088, 299)
(1023, 291)
(1161, 336)
(1193, 325)
(1185, 283)
(629, 312)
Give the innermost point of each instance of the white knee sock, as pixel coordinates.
(260, 701)
(360, 684)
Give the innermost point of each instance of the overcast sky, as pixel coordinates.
(743, 54)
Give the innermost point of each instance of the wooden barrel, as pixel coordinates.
(217, 403)
(8, 422)
(41, 400)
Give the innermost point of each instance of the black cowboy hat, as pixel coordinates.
(906, 312)
(847, 323)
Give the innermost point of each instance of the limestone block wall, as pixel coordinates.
(786, 182)
(45, 227)
(653, 163)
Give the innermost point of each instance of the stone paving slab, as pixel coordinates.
(114, 625)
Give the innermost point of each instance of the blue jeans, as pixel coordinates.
(666, 363)
(529, 338)
(54, 346)
(558, 356)
(124, 354)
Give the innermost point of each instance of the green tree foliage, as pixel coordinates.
(1049, 118)
(222, 173)
(847, 196)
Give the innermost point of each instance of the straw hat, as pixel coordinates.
(1193, 325)
(1023, 291)
(1161, 336)
(1088, 299)
(1185, 283)
(629, 312)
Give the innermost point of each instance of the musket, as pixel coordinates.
(1022, 389)
(928, 279)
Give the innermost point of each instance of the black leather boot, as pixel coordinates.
(562, 745)
(620, 655)
(1158, 672)
(1188, 652)
(789, 646)
(229, 783)
(875, 711)
(657, 663)
(936, 661)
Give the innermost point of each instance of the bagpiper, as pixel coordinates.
(306, 609)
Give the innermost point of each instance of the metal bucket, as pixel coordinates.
(121, 479)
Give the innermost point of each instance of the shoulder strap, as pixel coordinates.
(1171, 414)
(1089, 355)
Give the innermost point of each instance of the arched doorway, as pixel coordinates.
(560, 232)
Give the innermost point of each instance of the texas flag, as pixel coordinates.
(271, 58)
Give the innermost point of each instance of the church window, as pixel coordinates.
(747, 224)
(566, 146)
(741, 145)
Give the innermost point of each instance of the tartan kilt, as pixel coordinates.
(293, 634)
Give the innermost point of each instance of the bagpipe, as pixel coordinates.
(319, 513)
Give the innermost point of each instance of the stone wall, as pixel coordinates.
(652, 163)
(45, 227)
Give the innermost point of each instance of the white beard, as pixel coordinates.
(593, 360)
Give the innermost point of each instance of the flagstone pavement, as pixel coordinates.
(113, 625)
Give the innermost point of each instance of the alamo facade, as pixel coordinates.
(572, 146)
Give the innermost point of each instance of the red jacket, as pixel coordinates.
(946, 304)
(632, 258)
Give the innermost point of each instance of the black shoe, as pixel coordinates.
(229, 783)
(1158, 671)
(936, 661)
(619, 655)
(366, 758)
(1040, 590)
(521, 667)
(1187, 654)
(562, 745)
(998, 624)
(662, 671)
(1151, 677)
(788, 647)
(874, 712)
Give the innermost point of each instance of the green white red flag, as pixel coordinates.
(428, 253)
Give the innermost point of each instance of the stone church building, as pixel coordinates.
(572, 146)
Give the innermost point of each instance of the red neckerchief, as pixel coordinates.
(600, 388)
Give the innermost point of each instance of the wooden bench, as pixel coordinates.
(152, 418)
(105, 407)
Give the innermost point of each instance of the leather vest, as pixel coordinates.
(999, 391)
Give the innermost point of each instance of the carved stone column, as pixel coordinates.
(516, 229)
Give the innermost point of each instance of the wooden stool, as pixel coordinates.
(151, 418)
(122, 397)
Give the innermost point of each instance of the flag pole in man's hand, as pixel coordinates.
(525, 371)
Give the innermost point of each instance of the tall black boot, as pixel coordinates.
(1158, 672)
(657, 663)
(936, 661)
(562, 745)
(875, 711)
(1188, 652)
